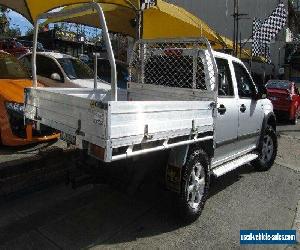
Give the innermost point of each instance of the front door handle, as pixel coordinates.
(222, 109)
(243, 108)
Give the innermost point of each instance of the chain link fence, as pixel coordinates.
(173, 63)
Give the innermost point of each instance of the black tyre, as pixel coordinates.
(267, 151)
(194, 185)
(297, 116)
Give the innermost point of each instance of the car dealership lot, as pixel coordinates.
(103, 216)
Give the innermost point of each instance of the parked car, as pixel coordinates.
(103, 71)
(61, 70)
(285, 98)
(29, 44)
(13, 80)
(84, 58)
(13, 47)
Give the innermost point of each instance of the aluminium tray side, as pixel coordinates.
(167, 119)
(66, 112)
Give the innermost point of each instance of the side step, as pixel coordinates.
(234, 164)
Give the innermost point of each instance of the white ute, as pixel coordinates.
(200, 106)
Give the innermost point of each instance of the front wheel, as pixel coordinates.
(195, 185)
(267, 150)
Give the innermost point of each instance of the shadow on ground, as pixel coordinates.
(98, 215)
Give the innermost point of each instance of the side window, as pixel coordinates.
(225, 87)
(46, 67)
(245, 85)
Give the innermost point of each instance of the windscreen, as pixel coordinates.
(75, 69)
(10, 68)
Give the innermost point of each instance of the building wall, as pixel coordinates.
(217, 14)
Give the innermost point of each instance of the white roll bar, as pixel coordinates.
(65, 14)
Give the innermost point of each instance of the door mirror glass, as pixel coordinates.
(55, 77)
(260, 93)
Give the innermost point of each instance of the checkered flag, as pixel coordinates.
(257, 46)
(264, 32)
(147, 4)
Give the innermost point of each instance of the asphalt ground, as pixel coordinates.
(106, 216)
(99, 216)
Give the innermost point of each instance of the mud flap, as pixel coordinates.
(177, 159)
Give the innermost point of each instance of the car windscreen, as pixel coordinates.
(278, 85)
(10, 68)
(75, 69)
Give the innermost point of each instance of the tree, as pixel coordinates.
(5, 29)
(29, 32)
(13, 32)
(4, 20)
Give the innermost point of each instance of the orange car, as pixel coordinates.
(13, 79)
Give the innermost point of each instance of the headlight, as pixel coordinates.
(13, 106)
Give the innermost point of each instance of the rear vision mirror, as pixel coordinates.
(55, 77)
(260, 93)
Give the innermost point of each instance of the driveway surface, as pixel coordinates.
(105, 216)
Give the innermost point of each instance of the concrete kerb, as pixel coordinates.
(296, 224)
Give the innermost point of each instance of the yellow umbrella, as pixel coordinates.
(245, 53)
(162, 21)
(168, 20)
(32, 8)
(119, 19)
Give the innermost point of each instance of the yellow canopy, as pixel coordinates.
(168, 20)
(164, 20)
(32, 8)
(119, 19)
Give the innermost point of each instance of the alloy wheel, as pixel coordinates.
(196, 186)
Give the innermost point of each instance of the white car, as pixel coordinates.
(61, 70)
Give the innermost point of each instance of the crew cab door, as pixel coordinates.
(250, 111)
(227, 114)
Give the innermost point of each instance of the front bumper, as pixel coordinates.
(14, 132)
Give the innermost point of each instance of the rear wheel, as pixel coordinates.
(195, 185)
(297, 116)
(267, 151)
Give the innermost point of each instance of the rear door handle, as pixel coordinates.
(243, 108)
(222, 109)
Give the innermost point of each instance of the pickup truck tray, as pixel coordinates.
(116, 130)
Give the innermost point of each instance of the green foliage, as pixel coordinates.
(29, 32)
(5, 29)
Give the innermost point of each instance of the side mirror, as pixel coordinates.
(55, 77)
(260, 93)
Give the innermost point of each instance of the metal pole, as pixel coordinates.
(237, 27)
(240, 44)
(265, 52)
(95, 71)
(34, 47)
(111, 57)
(234, 26)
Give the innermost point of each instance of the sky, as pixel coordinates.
(18, 20)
